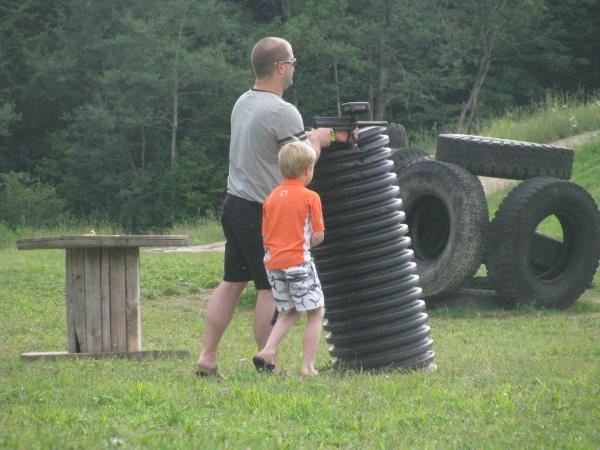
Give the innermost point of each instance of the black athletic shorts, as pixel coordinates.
(244, 251)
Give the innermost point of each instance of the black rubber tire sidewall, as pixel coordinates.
(504, 158)
(463, 198)
(512, 229)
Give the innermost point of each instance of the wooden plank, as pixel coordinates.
(118, 311)
(48, 242)
(132, 281)
(32, 356)
(105, 298)
(93, 300)
(78, 298)
(69, 294)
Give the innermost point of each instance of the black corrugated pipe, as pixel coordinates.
(375, 315)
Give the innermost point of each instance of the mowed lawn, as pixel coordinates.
(520, 378)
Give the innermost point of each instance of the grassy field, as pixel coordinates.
(506, 379)
(521, 378)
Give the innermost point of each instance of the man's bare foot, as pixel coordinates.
(304, 372)
(203, 371)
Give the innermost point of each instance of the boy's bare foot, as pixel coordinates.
(304, 372)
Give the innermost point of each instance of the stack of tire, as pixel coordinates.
(447, 216)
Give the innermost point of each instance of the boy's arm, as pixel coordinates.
(316, 238)
(318, 226)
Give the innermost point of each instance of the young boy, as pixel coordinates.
(292, 224)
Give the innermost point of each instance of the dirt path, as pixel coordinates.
(214, 247)
(491, 185)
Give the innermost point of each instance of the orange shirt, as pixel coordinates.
(291, 214)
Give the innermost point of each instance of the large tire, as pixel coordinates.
(446, 214)
(406, 157)
(504, 158)
(398, 136)
(525, 268)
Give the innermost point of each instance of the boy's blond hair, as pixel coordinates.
(294, 158)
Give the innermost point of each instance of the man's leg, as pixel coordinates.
(263, 313)
(219, 311)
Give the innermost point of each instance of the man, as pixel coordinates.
(261, 121)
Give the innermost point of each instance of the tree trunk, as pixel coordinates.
(143, 151)
(384, 63)
(470, 108)
(286, 12)
(338, 100)
(175, 115)
(174, 126)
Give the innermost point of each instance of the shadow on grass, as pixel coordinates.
(479, 303)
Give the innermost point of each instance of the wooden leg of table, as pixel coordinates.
(93, 300)
(105, 299)
(118, 310)
(132, 300)
(77, 335)
(69, 294)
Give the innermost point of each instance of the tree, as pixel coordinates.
(492, 28)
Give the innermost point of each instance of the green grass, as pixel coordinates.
(557, 118)
(520, 378)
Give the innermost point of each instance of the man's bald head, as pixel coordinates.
(266, 53)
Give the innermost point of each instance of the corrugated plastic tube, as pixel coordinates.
(375, 316)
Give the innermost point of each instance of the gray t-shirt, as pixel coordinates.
(261, 122)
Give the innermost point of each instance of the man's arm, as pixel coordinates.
(319, 139)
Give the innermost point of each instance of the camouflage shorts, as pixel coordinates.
(296, 287)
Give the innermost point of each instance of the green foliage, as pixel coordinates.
(7, 117)
(25, 200)
(124, 107)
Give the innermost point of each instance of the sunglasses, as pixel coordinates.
(291, 61)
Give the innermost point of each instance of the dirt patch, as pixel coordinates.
(193, 303)
(214, 247)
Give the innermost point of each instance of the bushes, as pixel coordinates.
(26, 201)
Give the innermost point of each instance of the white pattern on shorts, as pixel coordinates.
(296, 287)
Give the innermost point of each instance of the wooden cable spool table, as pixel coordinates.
(103, 293)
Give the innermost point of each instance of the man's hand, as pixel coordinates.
(343, 136)
(319, 138)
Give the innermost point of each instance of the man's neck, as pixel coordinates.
(268, 85)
